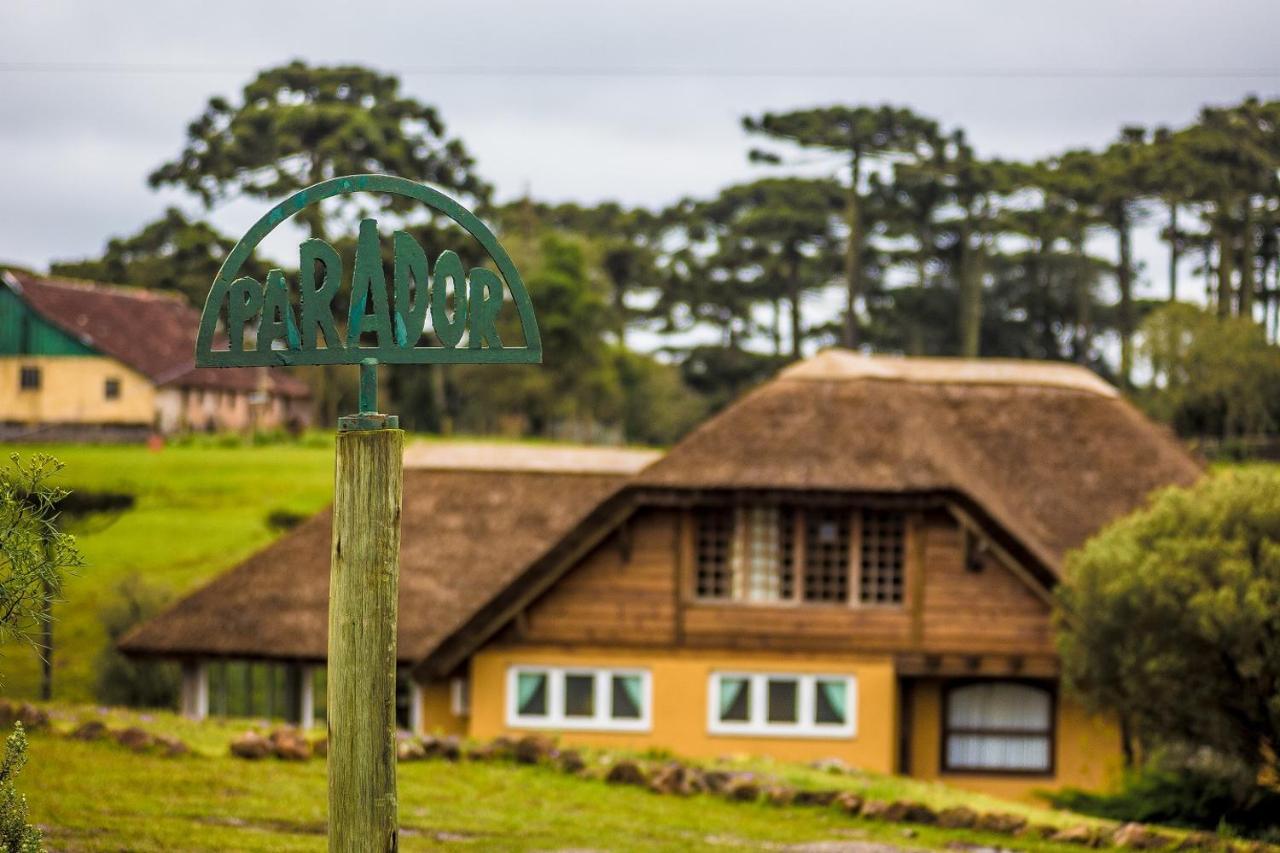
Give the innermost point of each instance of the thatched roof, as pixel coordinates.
(1049, 451)
(151, 331)
(466, 536)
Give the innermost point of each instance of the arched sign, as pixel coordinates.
(459, 307)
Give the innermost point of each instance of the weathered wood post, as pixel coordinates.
(363, 581)
(462, 309)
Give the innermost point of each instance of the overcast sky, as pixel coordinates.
(634, 101)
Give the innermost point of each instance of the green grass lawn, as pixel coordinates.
(99, 796)
(198, 511)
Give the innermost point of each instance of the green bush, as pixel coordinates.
(122, 680)
(1196, 799)
(16, 835)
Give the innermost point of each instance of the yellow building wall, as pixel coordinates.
(72, 391)
(437, 710)
(679, 713)
(1088, 752)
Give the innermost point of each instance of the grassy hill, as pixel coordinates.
(197, 510)
(99, 796)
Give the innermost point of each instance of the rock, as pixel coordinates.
(717, 781)
(626, 773)
(8, 714)
(134, 739)
(830, 765)
(877, 810)
(917, 813)
(533, 749)
(957, 817)
(410, 749)
(816, 798)
(91, 730)
(1005, 824)
(1138, 837)
(289, 744)
(908, 833)
(779, 795)
(450, 748)
(743, 789)
(675, 778)
(33, 719)
(1086, 836)
(173, 747)
(251, 745)
(850, 803)
(571, 761)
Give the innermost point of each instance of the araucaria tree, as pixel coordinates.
(1170, 620)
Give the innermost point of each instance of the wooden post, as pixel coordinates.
(362, 638)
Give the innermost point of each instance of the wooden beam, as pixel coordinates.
(1002, 556)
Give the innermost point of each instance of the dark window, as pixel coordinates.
(783, 701)
(579, 695)
(29, 378)
(998, 726)
(830, 698)
(531, 694)
(627, 693)
(882, 552)
(826, 555)
(111, 389)
(714, 546)
(735, 700)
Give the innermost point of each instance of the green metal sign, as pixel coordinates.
(459, 307)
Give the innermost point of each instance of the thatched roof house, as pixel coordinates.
(897, 524)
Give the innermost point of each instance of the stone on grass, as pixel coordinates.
(830, 765)
(717, 781)
(33, 719)
(626, 773)
(450, 748)
(743, 789)
(410, 749)
(91, 730)
(289, 744)
(1200, 841)
(533, 749)
(674, 778)
(1037, 830)
(779, 795)
(1001, 822)
(816, 798)
(876, 809)
(1138, 837)
(957, 817)
(571, 761)
(1082, 834)
(251, 745)
(173, 747)
(134, 739)
(850, 803)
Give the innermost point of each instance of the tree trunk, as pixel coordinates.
(1247, 286)
(1082, 338)
(1226, 260)
(1173, 251)
(1124, 281)
(362, 640)
(970, 293)
(853, 251)
(777, 326)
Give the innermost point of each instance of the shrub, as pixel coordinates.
(122, 681)
(16, 835)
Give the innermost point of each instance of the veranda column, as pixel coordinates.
(195, 689)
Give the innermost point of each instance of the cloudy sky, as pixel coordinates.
(634, 101)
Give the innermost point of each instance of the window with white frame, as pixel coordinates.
(586, 698)
(998, 726)
(460, 696)
(782, 704)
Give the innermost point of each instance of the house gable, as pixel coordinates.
(24, 332)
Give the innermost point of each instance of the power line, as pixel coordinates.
(679, 72)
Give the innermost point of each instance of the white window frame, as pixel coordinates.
(460, 696)
(759, 726)
(555, 717)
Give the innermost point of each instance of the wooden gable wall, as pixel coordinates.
(635, 589)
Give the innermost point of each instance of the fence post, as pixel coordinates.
(362, 633)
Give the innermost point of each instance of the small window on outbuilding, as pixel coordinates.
(29, 377)
(111, 389)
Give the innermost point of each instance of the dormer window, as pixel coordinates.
(762, 553)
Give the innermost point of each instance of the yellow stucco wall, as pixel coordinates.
(679, 714)
(437, 710)
(1087, 749)
(72, 390)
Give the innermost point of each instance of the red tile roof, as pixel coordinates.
(150, 331)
